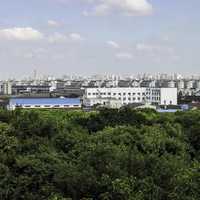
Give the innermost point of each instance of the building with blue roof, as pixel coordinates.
(45, 103)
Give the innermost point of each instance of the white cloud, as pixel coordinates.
(129, 7)
(113, 44)
(124, 56)
(60, 38)
(53, 23)
(147, 47)
(157, 52)
(57, 37)
(154, 48)
(23, 34)
(101, 9)
(76, 37)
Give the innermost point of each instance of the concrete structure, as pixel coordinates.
(181, 85)
(171, 84)
(190, 84)
(168, 96)
(1, 87)
(197, 85)
(105, 102)
(7, 88)
(159, 96)
(45, 103)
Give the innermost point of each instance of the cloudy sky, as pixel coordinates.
(99, 36)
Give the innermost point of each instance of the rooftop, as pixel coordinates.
(44, 101)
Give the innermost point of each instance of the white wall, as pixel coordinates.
(168, 96)
(111, 103)
(126, 95)
(165, 96)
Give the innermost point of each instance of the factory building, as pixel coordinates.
(158, 96)
(44, 103)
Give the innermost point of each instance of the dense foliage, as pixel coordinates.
(111, 154)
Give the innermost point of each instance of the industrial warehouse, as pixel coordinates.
(45, 103)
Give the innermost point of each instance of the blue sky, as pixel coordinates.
(99, 36)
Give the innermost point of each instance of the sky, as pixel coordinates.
(57, 37)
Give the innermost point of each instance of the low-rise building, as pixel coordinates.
(45, 103)
(159, 96)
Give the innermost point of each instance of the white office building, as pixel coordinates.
(160, 96)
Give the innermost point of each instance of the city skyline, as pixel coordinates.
(98, 36)
(37, 76)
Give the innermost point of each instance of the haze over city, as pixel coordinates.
(98, 36)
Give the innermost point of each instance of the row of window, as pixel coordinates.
(132, 99)
(139, 98)
(153, 93)
(114, 94)
(153, 98)
(156, 98)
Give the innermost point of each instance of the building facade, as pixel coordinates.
(105, 102)
(159, 96)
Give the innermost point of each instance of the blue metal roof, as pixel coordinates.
(45, 101)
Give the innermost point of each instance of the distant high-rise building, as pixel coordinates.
(190, 84)
(197, 85)
(7, 88)
(171, 84)
(180, 85)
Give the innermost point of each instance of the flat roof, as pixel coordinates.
(45, 101)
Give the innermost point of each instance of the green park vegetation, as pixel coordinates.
(106, 155)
